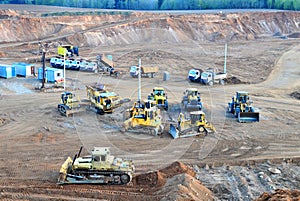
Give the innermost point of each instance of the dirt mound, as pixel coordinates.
(294, 35)
(234, 80)
(295, 94)
(158, 178)
(185, 187)
(280, 194)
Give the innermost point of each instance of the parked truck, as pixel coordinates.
(195, 75)
(210, 77)
(146, 71)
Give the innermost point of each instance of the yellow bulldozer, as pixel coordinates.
(191, 100)
(196, 125)
(159, 95)
(104, 101)
(98, 168)
(144, 116)
(69, 105)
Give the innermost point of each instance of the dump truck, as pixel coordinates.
(196, 125)
(106, 65)
(69, 105)
(102, 100)
(158, 94)
(146, 71)
(191, 100)
(210, 77)
(67, 50)
(144, 117)
(98, 168)
(241, 107)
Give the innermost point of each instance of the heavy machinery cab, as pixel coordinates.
(242, 96)
(101, 159)
(145, 110)
(197, 117)
(192, 92)
(67, 99)
(191, 100)
(160, 97)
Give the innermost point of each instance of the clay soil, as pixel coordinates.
(232, 163)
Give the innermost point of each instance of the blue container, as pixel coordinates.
(110, 57)
(7, 71)
(51, 74)
(24, 69)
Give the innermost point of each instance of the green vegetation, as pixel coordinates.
(166, 4)
(66, 13)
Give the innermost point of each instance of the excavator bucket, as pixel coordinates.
(248, 117)
(173, 131)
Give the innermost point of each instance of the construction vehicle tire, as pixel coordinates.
(100, 111)
(221, 82)
(201, 129)
(161, 129)
(125, 179)
(210, 83)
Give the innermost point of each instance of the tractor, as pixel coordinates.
(160, 97)
(68, 104)
(191, 100)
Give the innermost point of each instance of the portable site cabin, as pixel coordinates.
(24, 69)
(7, 71)
(51, 74)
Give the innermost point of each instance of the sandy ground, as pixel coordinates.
(36, 139)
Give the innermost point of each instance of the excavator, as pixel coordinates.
(160, 97)
(191, 100)
(98, 168)
(196, 125)
(241, 107)
(69, 105)
(144, 116)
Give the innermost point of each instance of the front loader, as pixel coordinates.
(241, 107)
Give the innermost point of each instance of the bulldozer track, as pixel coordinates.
(22, 192)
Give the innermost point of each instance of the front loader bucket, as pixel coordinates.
(173, 131)
(248, 117)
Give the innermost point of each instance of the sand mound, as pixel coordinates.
(295, 94)
(280, 194)
(185, 187)
(294, 35)
(158, 178)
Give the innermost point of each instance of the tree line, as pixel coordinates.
(166, 4)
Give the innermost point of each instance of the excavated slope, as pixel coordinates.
(147, 27)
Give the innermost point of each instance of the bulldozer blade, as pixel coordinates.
(248, 117)
(173, 131)
(191, 108)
